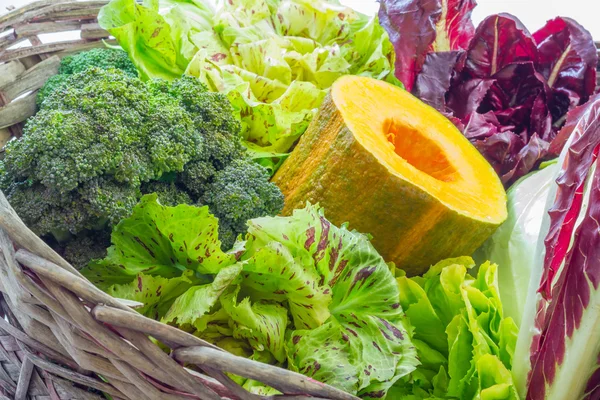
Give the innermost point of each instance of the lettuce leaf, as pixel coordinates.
(463, 341)
(155, 292)
(274, 59)
(197, 301)
(163, 241)
(158, 39)
(262, 323)
(349, 329)
(298, 292)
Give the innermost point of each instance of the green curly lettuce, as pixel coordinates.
(299, 292)
(463, 341)
(161, 241)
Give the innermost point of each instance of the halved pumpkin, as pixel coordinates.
(377, 157)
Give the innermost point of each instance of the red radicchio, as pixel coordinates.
(528, 82)
(564, 348)
(418, 27)
(535, 79)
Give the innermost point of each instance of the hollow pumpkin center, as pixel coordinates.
(419, 151)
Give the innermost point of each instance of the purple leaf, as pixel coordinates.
(416, 27)
(454, 26)
(567, 59)
(481, 126)
(434, 80)
(465, 97)
(563, 350)
(582, 153)
(499, 40)
(526, 159)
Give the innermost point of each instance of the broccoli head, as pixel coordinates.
(53, 84)
(103, 58)
(97, 203)
(103, 138)
(104, 122)
(169, 193)
(240, 192)
(213, 116)
(83, 157)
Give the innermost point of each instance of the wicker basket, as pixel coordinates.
(61, 337)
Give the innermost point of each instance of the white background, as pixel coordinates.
(533, 13)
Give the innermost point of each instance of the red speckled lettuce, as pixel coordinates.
(558, 346)
(348, 328)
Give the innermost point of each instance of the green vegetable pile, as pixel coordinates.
(103, 137)
(299, 292)
(274, 59)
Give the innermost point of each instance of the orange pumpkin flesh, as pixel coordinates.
(377, 157)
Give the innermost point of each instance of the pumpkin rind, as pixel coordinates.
(412, 225)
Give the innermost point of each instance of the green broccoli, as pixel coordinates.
(103, 58)
(85, 154)
(240, 192)
(86, 246)
(169, 193)
(54, 83)
(213, 115)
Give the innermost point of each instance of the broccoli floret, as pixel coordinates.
(104, 122)
(104, 138)
(213, 115)
(240, 192)
(94, 205)
(85, 247)
(169, 193)
(103, 58)
(53, 84)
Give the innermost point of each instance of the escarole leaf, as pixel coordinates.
(158, 47)
(161, 240)
(155, 292)
(199, 300)
(557, 350)
(262, 323)
(463, 341)
(274, 274)
(359, 342)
